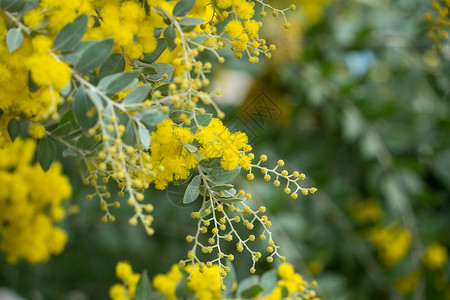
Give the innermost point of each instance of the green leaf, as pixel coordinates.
(12, 5)
(206, 205)
(190, 148)
(169, 37)
(69, 117)
(114, 64)
(72, 57)
(182, 291)
(220, 175)
(183, 7)
(137, 95)
(14, 38)
(246, 284)
(32, 86)
(231, 200)
(115, 83)
(46, 152)
(188, 21)
(269, 281)
(151, 117)
(144, 136)
(229, 280)
(149, 71)
(27, 6)
(62, 130)
(252, 292)
(222, 187)
(175, 194)
(202, 120)
(69, 152)
(162, 68)
(13, 128)
(81, 106)
(143, 288)
(151, 57)
(192, 190)
(163, 89)
(94, 55)
(95, 98)
(70, 35)
(129, 136)
(85, 142)
(83, 167)
(284, 292)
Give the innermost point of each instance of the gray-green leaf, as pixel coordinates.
(220, 175)
(143, 288)
(12, 5)
(183, 7)
(70, 35)
(137, 95)
(144, 136)
(14, 38)
(82, 104)
(188, 21)
(114, 64)
(169, 37)
(229, 280)
(94, 55)
(247, 283)
(192, 190)
(115, 83)
(269, 281)
(151, 117)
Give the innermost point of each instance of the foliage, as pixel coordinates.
(125, 94)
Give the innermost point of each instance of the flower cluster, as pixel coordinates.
(393, 243)
(123, 83)
(30, 203)
(294, 283)
(127, 289)
(438, 19)
(292, 186)
(206, 284)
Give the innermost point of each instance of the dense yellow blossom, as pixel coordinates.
(30, 201)
(292, 281)
(127, 290)
(408, 283)
(174, 161)
(206, 285)
(393, 243)
(169, 154)
(436, 257)
(217, 141)
(368, 211)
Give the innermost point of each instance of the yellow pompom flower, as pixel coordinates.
(244, 10)
(37, 131)
(234, 29)
(436, 257)
(27, 196)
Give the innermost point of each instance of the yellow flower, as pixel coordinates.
(37, 131)
(392, 242)
(234, 28)
(436, 257)
(26, 228)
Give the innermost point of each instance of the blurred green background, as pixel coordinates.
(353, 98)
